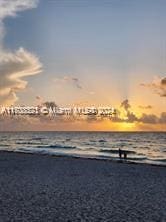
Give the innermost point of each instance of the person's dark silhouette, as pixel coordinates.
(120, 153)
(125, 155)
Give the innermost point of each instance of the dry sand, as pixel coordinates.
(45, 188)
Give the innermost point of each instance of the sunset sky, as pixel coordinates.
(88, 52)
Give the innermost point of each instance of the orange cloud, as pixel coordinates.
(158, 85)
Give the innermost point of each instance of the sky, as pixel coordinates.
(90, 52)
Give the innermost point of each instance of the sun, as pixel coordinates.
(125, 126)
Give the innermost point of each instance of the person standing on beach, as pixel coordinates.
(125, 155)
(120, 153)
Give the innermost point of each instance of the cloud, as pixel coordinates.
(69, 80)
(18, 64)
(131, 117)
(39, 98)
(13, 67)
(148, 118)
(153, 119)
(76, 82)
(10, 7)
(145, 107)
(158, 85)
(125, 104)
(162, 118)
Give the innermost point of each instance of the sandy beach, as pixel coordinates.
(48, 188)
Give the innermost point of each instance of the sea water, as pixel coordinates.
(145, 147)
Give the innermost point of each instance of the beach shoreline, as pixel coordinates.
(85, 157)
(138, 147)
(35, 187)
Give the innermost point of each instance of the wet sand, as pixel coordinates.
(48, 188)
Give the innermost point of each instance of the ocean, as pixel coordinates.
(142, 147)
